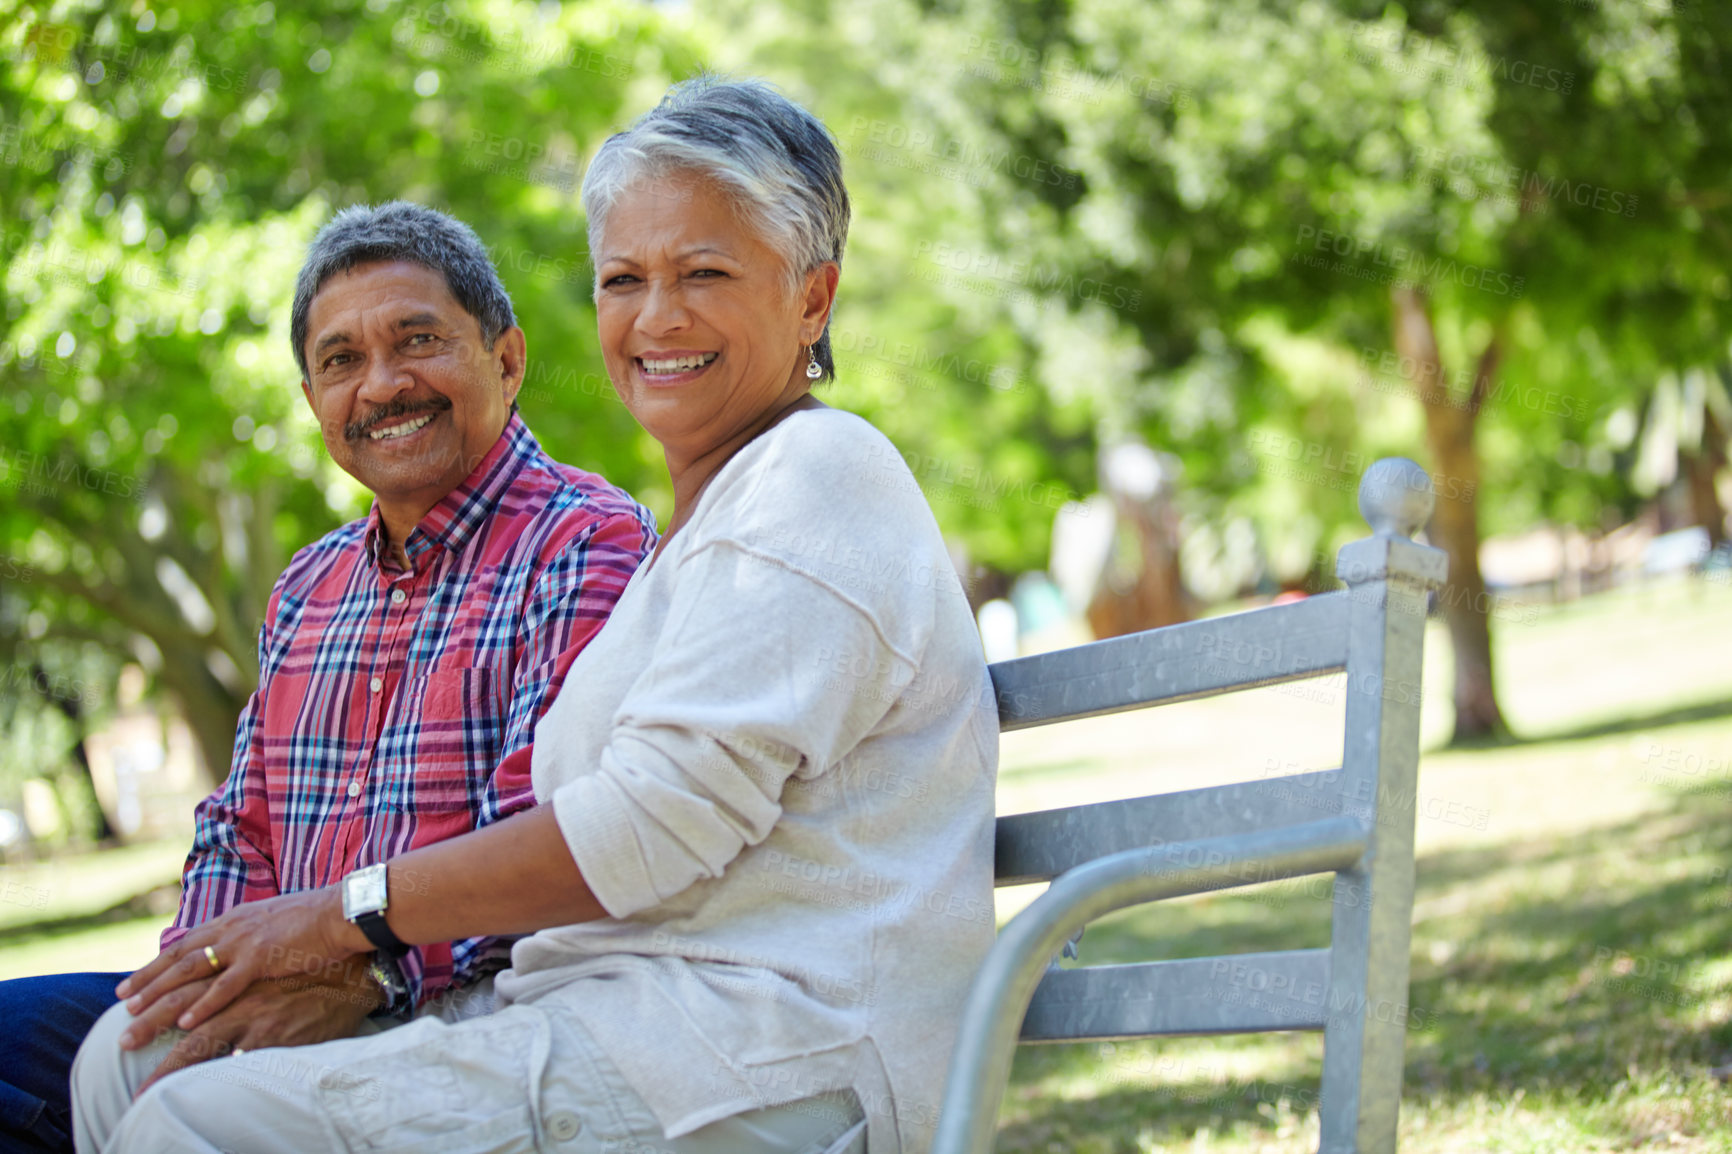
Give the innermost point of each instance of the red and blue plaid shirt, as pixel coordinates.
(396, 708)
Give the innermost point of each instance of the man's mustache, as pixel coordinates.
(392, 411)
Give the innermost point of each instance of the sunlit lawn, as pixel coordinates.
(98, 911)
(1570, 966)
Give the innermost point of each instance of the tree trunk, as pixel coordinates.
(1700, 468)
(138, 603)
(209, 707)
(73, 710)
(1449, 429)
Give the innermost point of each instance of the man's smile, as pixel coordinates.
(396, 419)
(401, 430)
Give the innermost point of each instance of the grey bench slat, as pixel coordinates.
(1177, 663)
(1243, 993)
(1036, 847)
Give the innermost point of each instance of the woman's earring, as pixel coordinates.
(813, 369)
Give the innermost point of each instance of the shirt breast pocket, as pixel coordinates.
(445, 742)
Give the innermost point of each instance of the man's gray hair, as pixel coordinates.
(772, 158)
(401, 231)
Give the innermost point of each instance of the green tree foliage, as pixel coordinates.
(1326, 232)
(162, 171)
(1182, 222)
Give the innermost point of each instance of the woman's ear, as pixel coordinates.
(820, 298)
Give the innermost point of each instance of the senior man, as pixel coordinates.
(404, 658)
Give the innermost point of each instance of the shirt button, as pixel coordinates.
(563, 1126)
(398, 597)
(354, 789)
(376, 684)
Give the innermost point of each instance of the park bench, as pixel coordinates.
(1355, 822)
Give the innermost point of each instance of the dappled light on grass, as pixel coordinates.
(1575, 1005)
(1571, 977)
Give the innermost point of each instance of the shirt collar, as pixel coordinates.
(453, 521)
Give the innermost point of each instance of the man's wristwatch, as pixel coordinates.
(365, 902)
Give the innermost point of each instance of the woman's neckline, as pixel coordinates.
(703, 494)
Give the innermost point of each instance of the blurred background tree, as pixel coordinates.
(1496, 209)
(160, 185)
(1271, 242)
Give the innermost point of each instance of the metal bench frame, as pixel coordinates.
(1356, 822)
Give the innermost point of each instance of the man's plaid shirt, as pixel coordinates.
(395, 707)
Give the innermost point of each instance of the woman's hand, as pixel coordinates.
(298, 933)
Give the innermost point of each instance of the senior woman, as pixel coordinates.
(758, 883)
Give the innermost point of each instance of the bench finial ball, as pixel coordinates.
(1395, 497)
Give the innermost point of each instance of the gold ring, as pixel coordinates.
(210, 956)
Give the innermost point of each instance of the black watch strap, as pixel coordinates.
(373, 925)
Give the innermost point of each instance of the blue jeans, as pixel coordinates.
(43, 1020)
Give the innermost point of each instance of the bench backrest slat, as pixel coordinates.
(1243, 994)
(1037, 847)
(1179, 663)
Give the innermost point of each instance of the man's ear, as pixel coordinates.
(307, 392)
(511, 356)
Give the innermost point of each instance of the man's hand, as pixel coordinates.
(297, 1011)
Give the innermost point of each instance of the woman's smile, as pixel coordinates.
(662, 368)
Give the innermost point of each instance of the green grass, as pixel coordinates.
(1557, 874)
(1543, 1020)
(97, 911)
(1571, 976)
(116, 946)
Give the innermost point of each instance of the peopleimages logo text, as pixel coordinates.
(1398, 264)
(1047, 279)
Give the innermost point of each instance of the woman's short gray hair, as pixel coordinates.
(395, 231)
(770, 156)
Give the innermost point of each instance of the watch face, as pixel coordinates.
(364, 892)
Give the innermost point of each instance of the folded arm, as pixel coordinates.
(740, 696)
(513, 877)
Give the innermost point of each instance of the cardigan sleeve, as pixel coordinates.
(762, 672)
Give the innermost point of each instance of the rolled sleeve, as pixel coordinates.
(785, 676)
(594, 816)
